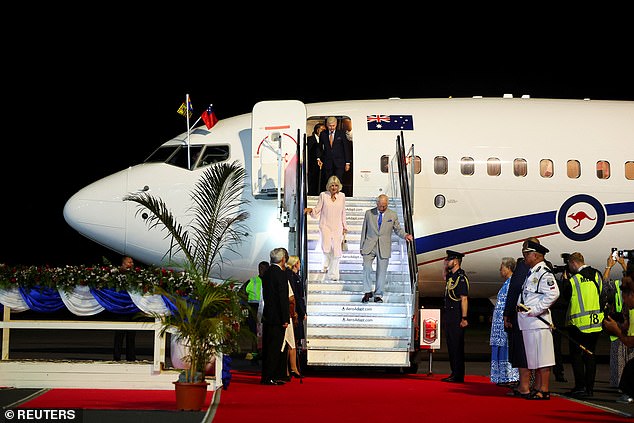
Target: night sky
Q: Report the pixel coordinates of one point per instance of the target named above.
(81, 113)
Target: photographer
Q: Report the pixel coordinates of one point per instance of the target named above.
(585, 314)
(558, 312)
(619, 353)
(626, 383)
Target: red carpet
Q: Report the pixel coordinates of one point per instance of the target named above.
(347, 398)
(108, 399)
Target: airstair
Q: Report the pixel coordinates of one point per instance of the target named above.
(343, 331)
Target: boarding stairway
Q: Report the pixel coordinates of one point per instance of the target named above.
(343, 331)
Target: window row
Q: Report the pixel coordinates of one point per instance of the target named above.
(520, 167)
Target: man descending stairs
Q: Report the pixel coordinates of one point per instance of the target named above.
(343, 331)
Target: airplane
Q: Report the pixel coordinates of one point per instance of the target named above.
(486, 174)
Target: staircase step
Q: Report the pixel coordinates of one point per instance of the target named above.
(374, 344)
(358, 358)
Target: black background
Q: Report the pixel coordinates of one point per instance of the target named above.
(88, 99)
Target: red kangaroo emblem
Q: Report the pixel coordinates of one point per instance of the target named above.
(579, 216)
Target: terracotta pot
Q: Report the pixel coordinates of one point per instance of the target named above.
(190, 396)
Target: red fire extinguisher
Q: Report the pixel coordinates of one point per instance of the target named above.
(430, 330)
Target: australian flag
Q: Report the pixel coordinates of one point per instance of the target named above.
(390, 122)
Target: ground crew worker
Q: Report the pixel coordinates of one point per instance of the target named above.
(254, 292)
(455, 314)
(584, 321)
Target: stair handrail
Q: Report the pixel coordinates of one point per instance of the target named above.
(302, 232)
(406, 197)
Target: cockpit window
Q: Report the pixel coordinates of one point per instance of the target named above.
(161, 154)
(180, 157)
(199, 155)
(214, 154)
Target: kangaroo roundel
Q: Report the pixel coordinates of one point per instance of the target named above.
(581, 217)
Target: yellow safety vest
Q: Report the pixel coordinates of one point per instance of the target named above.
(618, 303)
(585, 311)
(254, 288)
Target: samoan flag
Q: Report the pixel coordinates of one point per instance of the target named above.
(390, 123)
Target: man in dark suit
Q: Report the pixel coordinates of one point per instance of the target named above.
(376, 243)
(314, 152)
(275, 318)
(336, 156)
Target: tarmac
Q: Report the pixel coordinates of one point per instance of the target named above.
(78, 346)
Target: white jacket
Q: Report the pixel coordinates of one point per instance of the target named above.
(539, 292)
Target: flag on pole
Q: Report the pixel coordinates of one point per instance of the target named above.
(186, 110)
(209, 117)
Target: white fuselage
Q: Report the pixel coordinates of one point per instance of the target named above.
(485, 214)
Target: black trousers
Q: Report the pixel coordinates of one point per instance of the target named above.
(584, 366)
(130, 344)
(627, 378)
(455, 342)
(273, 360)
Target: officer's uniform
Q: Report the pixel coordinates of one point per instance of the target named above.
(539, 292)
(457, 286)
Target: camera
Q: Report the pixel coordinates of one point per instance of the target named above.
(563, 268)
(626, 254)
(614, 253)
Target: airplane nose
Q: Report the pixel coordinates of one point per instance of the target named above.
(97, 211)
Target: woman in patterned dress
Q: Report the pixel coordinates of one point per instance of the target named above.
(502, 373)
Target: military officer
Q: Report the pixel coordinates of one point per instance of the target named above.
(538, 294)
(455, 314)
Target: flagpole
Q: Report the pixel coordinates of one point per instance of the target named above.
(189, 163)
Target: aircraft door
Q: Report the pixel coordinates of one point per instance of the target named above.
(278, 128)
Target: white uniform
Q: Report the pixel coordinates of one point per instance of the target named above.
(539, 292)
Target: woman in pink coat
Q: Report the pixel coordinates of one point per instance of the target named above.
(331, 211)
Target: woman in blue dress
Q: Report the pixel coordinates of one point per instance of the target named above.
(502, 373)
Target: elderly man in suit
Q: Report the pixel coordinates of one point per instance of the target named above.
(336, 154)
(376, 243)
(275, 318)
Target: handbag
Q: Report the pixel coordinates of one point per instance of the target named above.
(344, 244)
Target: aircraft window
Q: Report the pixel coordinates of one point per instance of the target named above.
(629, 170)
(161, 154)
(439, 201)
(520, 168)
(440, 165)
(546, 168)
(385, 163)
(418, 165)
(214, 154)
(494, 167)
(180, 157)
(573, 168)
(603, 169)
(467, 166)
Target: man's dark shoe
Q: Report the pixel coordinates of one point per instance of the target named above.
(378, 299)
(452, 379)
(366, 297)
(269, 382)
(576, 392)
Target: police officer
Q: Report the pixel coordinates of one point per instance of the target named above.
(455, 314)
(585, 318)
(539, 293)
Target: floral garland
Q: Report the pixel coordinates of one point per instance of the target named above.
(141, 280)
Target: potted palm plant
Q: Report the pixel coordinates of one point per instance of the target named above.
(206, 315)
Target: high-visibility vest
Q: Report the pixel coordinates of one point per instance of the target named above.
(254, 289)
(618, 303)
(585, 310)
